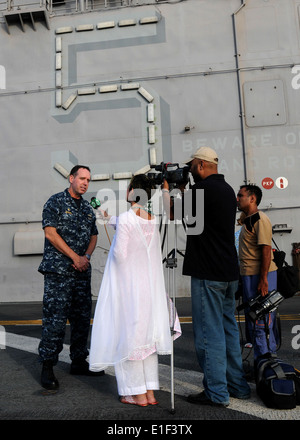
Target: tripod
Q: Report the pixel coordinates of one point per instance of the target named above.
(171, 265)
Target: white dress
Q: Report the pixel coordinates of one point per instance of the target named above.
(131, 319)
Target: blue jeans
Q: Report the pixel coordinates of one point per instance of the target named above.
(256, 332)
(217, 339)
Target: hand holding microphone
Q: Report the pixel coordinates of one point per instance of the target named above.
(100, 213)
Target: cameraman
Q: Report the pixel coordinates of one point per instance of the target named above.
(257, 268)
(211, 261)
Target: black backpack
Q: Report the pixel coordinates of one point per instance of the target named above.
(277, 383)
(288, 281)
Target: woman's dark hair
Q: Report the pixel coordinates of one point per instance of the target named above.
(144, 183)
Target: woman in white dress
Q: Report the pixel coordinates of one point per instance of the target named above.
(132, 323)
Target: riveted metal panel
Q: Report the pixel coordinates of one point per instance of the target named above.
(264, 103)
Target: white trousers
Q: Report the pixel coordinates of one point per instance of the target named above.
(136, 377)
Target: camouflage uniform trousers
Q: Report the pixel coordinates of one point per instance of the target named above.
(65, 298)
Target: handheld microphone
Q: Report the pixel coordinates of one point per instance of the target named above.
(95, 203)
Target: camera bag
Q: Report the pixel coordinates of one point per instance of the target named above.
(287, 276)
(276, 383)
(287, 280)
(297, 385)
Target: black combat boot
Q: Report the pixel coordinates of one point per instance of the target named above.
(81, 367)
(48, 379)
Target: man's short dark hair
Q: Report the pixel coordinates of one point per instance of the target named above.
(253, 190)
(75, 169)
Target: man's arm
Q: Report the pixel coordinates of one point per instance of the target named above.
(264, 269)
(80, 263)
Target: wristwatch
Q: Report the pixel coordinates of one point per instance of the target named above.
(88, 256)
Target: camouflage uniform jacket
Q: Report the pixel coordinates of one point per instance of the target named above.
(75, 226)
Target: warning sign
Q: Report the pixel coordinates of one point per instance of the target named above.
(267, 183)
(282, 182)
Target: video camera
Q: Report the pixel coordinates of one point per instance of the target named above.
(175, 177)
(262, 305)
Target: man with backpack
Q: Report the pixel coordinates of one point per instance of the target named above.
(257, 268)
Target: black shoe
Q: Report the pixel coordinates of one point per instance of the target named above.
(243, 397)
(202, 399)
(48, 380)
(82, 368)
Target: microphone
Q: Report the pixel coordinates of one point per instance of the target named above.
(95, 203)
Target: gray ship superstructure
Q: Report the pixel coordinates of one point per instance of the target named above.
(122, 86)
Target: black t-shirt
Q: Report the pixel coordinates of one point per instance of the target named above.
(211, 255)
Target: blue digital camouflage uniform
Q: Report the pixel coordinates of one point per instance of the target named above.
(67, 292)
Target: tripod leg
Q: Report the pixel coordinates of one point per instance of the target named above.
(171, 264)
(174, 265)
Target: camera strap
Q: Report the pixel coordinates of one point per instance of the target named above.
(277, 326)
(267, 330)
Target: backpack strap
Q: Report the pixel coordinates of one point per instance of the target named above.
(278, 370)
(274, 364)
(284, 262)
(275, 244)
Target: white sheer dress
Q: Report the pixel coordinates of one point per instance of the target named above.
(131, 319)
